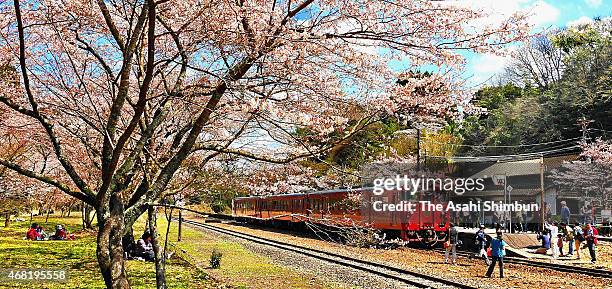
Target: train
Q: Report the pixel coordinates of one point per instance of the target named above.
(348, 207)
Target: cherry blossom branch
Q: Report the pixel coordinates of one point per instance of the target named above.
(65, 188)
(70, 170)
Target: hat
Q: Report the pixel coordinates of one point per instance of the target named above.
(482, 226)
(563, 203)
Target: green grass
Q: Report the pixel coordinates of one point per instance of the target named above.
(79, 257)
(240, 268)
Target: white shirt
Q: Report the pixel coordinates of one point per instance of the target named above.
(554, 231)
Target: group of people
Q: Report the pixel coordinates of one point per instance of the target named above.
(37, 233)
(142, 249)
(497, 252)
(555, 236)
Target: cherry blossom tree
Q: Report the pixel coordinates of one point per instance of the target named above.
(591, 176)
(123, 92)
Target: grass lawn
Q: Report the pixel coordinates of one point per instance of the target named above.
(240, 268)
(79, 257)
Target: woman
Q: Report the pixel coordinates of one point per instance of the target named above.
(579, 238)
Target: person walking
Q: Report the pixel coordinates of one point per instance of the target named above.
(451, 243)
(578, 239)
(565, 213)
(497, 253)
(568, 236)
(591, 240)
(481, 240)
(554, 238)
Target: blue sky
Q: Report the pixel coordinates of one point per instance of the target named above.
(546, 14)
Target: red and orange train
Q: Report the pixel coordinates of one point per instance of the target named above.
(347, 206)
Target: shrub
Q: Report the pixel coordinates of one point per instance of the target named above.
(215, 259)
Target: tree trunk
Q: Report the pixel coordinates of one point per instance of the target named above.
(47, 218)
(160, 258)
(109, 249)
(69, 210)
(87, 216)
(6, 220)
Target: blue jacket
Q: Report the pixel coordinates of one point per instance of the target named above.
(565, 213)
(497, 247)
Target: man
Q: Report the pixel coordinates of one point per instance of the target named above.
(481, 239)
(554, 238)
(547, 212)
(451, 243)
(498, 246)
(591, 240)
(565, 213)
(144, 247)
(568, 235)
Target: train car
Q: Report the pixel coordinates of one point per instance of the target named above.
(347, 207)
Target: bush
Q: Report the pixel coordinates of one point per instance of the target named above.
(215, 259)
(218, 207)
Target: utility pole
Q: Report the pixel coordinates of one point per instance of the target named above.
(542, 207)
(418, 149)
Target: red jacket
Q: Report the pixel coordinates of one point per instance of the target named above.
(33, 235)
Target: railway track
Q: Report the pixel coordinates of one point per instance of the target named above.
(553, 266)
(410, 278)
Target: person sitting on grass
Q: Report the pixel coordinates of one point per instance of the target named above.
(61, 234)
(33, 233)
(144, 247)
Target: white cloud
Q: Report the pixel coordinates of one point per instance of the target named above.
(540, 11)
(486, 66)
(580, 21)
(593, 3)
(543, 13)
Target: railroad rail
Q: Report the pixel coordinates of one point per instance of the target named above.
(411, 278)
(553, 266)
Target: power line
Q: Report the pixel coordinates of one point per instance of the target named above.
(513, 157)
(503, 146)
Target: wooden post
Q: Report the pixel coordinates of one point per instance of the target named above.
(180, 224)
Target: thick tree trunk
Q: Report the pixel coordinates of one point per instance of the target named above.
(109, 249)
(47, 218)
(69, 210)
(160, 258)
(7, 217)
